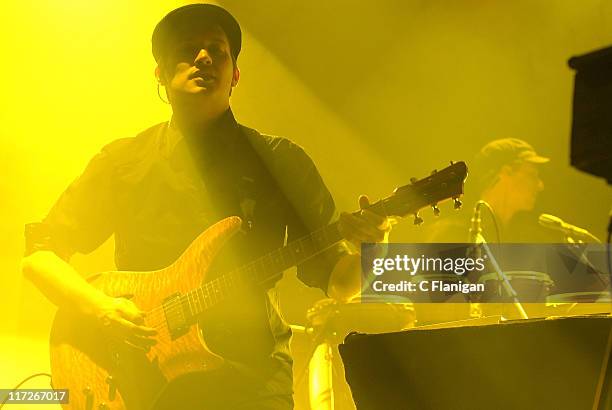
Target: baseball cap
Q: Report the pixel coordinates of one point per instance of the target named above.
(497, 153)
(508, 150)
(187, 19)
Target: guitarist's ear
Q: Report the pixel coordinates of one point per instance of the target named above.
(235, 76)
(159, 75)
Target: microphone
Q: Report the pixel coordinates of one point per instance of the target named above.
(475, 231)
(558, 224)
(476, 226)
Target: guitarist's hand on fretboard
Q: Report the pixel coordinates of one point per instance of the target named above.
(364, 226)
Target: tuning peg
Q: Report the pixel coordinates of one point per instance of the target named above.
(417, 219)
(413, 180)
(436, 210)
(452, 162)
(457, 203)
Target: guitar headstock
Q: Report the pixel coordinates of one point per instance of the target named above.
(429, 191)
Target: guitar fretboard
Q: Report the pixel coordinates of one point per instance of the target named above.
(261, 270)
(442, 185)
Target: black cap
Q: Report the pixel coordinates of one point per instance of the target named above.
(187, 19)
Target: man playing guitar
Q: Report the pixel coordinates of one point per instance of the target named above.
(158, 191)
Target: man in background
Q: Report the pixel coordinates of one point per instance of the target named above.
(506, 175)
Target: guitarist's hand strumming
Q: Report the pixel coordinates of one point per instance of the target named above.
(123, 321)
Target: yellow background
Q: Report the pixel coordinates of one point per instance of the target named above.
(375, 92)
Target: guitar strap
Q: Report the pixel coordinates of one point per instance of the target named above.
(247, 193)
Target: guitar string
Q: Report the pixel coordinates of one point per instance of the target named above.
(157, 313)
(160, 313)
(176, 308)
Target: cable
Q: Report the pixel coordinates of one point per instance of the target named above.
(21, 383)
(609, 253)
(609, 246)
(497, 233)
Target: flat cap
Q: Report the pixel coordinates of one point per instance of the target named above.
(190, 18)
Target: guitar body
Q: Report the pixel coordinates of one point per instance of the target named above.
(102, 373)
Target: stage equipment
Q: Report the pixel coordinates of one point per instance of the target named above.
(330, 322)
(571, 231)
(591, 145)
(579, 303)
(531, 286)
(559, 364)
(476, 237)
(438, 307)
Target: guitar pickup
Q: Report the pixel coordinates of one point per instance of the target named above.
(178, 315)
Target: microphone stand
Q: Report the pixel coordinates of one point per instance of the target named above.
(479, 241)
(573, 237)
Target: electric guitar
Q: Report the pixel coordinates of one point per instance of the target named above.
(104, 374)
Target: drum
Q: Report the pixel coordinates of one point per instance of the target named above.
(579, 303)
(531, 287)
(439, 307)
(329, 322)
(336, 320)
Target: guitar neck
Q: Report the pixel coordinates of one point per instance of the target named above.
(269, 266)
(263, 269)
(405, 200)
